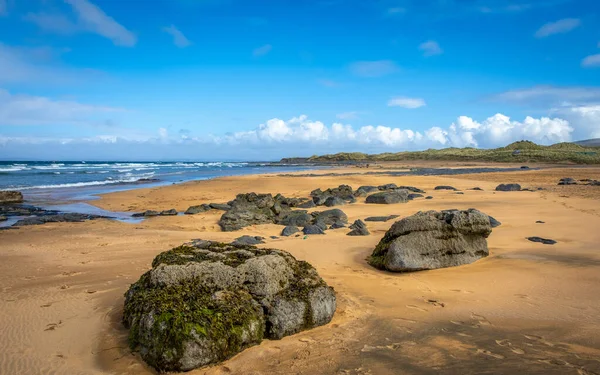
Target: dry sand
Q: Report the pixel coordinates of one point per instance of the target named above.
(528, 308)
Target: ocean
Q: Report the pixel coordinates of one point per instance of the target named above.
(61, 183)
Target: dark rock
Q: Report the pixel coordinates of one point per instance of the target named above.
(381, 218)
(252, 209)
(273, 237)
(364, 190)
(508, 187)
(494, 223)
(540, 222)
(289, 230)
(445, 187)
(334, 201)
(171, 212)
(387, 187)
(220, 206)
(193, 210)
(204, 302)
(433, 239)
(544, 241)
(429, 197)
(147, 213)
(57, 218)
(296, 218)
(411, 188)
(524, 167)
(10, 196)
(337, 225)
(567, 181)
(359, 228)
(389, 197)
(307, 204)
(321, 225)
(414, 195)
(477, 188)
(289, 202)
(329, 217)
(248, 240)
(459, 192)
(313, 229)
(342, 192)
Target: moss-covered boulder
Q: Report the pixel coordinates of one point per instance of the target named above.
(203, 302)
(433, 239)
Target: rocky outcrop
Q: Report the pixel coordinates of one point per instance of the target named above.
(57, 218)
(388, 197)
(433, 239)
(152, 213)
(204, 302)
(359, 228)
(251, 209)
(508, 187)
(445, 187)
(193, 210)
(333, 196)
(10, 196)
(567, 181)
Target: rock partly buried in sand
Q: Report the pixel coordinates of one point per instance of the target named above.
(429, 197)
(494, 223)
(57, 218)
(381, 218)
(298, 218)
(11, 196)
(329, 217)
(544, 241)
(220, 206)
(248, 240)
(433, 239)
(171, 212)
(204, 302)
(412, 196)
(359, 228)
(147, 213)
(338, 225)
(445, 187)
(307, 204)
(477, 188)
(411, 189)
(343, 193)
(193, 210)
(289, 230)
(388, 197)
(313, 229)
(334, 201)
(567, 181)
(508, 187)
(387, 187)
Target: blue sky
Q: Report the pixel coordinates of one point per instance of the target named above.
(244, 79)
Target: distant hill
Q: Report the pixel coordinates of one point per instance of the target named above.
(519, 152)
(589, 142)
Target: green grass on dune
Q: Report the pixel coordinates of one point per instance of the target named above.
(522, 152)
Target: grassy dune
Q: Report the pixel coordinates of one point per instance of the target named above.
(522, 151)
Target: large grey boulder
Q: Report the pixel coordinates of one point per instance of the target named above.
(204, 302)
(330, 217)
(359, 228)
(298, 218)
(193, 210)
(289, 230)
(10, 196)
(433, 239)
(364, 190)
(508, 187)
(334, 201)
(388, 197)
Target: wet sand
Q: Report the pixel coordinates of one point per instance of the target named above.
(527, 308)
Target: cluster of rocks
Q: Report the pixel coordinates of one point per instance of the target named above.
(204, 302)
(433, 239)
(152, 213)
(338, 196)
(571, 181)
(10, 196)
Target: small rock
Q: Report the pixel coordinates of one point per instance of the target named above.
(359, 228)
(540, 222)
(429, 197)
(171, 212)
(313, 229)
(508, 187)
(307, 204)
(334, 201)
(381, 218)
(147, 213)
(459, 192)
(411, 189)
(391, 197)
(477, 188)
(545, 241)
(387, 187)
(289, 230)
(494, 223)
(364, 190)
(524, 167)
(445, 187)
(414, 195)
(296, 218)
(273, 237)
(337, 225)
(567, 181)
(330, 216)
(248, 240)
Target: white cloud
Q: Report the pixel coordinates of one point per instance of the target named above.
(262, 50)
(430, 48)
(592, 61)
(373, 68)
(36, 110)
(88, 18)
(352, 115)
(559, 27)
(178, 38)
(404, 102)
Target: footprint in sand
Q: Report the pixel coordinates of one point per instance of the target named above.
(481, 319)
(490, 354)
(53, 326)
(461, 291)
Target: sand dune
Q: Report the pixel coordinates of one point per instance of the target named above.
(528, 308)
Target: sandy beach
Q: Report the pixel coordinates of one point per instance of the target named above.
(527, 308)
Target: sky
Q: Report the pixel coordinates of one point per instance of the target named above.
(265, 79)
